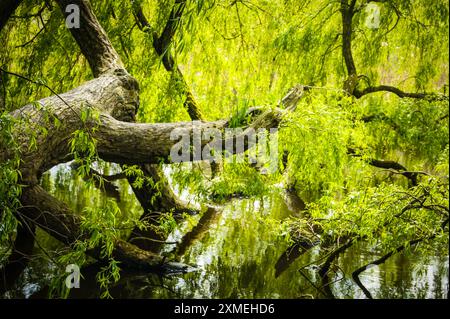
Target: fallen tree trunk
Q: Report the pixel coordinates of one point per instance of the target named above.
(117, 141)
(113, 93)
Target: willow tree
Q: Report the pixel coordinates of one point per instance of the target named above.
(90, 122)
(375, 90)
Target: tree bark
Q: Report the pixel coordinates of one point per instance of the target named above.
(347, 12)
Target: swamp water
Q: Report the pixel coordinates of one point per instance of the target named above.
(238, 255)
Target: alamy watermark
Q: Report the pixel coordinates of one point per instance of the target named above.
(73, 279)
(373, 13)
(215, 145)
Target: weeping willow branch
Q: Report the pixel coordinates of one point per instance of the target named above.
(162, 45)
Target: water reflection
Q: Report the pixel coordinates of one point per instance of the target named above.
(238, 256)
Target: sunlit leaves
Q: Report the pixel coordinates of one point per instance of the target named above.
(316, 138)
(83, 146)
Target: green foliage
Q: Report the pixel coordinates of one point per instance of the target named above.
(166, 224)
(235, 55)
(386, 216)
(100, 229)
(239, 179)
(107, 276)
(316, 137)
(239, 117)
(236, 179)
(419, 128)
(140, 179)
(10, 188)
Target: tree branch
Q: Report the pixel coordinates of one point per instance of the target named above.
(398, 92)
(162, 45)
(347, 12)
(383, 259)
(390, 165)
(347, 17)
(136, 143)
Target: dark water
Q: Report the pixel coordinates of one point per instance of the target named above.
(239, 255)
